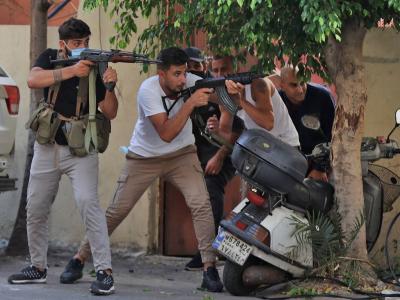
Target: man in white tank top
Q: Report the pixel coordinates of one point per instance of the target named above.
(262, 107)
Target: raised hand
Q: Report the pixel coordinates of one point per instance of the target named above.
(235, 89)
(110, 75)
(213, 124)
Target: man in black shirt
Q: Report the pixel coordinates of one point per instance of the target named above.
(308, 99)
(215, 161)
(53, 159)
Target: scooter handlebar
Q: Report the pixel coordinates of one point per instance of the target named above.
(396, 151)
(371, 150)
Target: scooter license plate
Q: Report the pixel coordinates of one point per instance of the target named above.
(232, 247)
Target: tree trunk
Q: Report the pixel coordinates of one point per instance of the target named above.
(345, 64)
(18, 244)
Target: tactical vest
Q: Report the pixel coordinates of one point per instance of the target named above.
(84, 133)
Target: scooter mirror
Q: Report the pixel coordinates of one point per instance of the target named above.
(311, 122)
(395, 126)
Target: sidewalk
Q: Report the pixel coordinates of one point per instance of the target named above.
(142, 278)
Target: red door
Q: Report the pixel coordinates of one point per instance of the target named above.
(178, 233)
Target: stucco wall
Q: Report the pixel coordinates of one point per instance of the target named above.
(382, 66)
(14, 58)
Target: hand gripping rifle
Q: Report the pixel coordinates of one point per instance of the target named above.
(101, 58)
(218, 84)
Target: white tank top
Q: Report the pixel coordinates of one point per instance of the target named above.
(283, 126)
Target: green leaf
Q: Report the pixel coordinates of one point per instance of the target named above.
(177, 24)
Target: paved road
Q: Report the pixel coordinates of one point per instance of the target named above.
(143, 278)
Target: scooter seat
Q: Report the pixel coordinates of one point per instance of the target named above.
(321, 194)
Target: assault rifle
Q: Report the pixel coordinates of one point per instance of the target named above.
(102, 58)
(218, 84)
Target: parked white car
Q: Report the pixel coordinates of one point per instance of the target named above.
(9, 106)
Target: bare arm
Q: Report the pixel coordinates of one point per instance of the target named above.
(225, 124)
(215, 163)
(39, 78)
(262, 113)
(167, 128)
(109, 106)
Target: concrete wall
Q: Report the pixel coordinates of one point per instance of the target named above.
(14, 58)
(382, 66)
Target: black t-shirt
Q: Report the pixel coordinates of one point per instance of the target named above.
(318, 102)
(206, 150)
(67, 95)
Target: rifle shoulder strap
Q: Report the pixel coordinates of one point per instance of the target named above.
(81, 99)
(53, 92)
(91, 130)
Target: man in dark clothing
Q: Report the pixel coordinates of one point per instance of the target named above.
(215, 161)
(303, 100)
(54, 157)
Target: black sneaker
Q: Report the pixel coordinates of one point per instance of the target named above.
(72, 272)
(104, 284)
(30, 274)
(195, 263)
(211, 281)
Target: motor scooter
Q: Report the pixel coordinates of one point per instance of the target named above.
(258, 232)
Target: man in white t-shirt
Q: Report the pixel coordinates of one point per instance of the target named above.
(162, 145)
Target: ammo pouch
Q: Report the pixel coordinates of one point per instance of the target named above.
(76, 134)
(45, 122)
(33, 122)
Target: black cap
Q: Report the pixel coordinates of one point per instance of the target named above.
(194, 54)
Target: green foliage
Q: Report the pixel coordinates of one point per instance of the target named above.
(322, 233)
(302, 291)
(267, 29)
(328, 240)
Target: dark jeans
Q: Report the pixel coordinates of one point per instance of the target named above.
(216, 189)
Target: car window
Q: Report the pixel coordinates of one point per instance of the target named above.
(2, 73)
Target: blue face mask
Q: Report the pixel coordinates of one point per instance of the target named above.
(76, 52)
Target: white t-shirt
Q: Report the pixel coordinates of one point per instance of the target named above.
(283, 125)
(145, 140)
